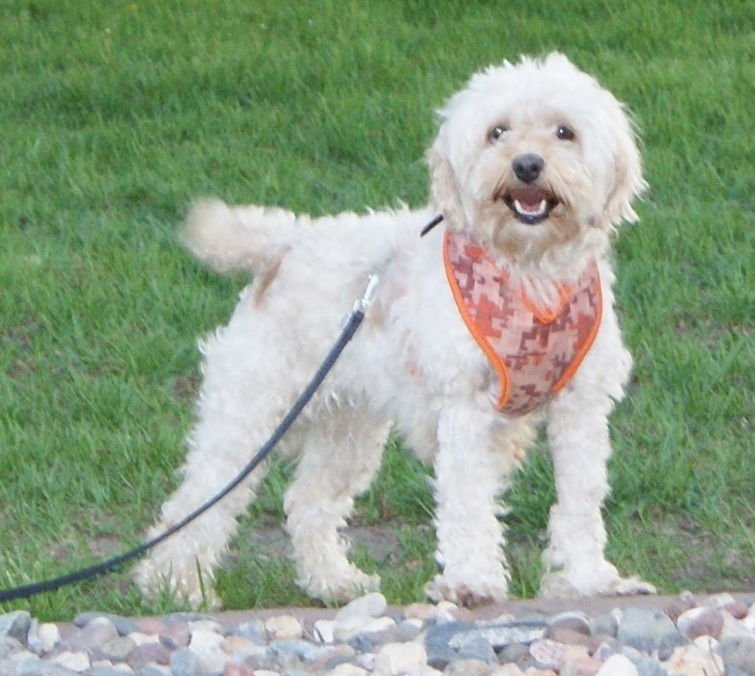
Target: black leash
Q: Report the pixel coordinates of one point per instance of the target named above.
(350, 327)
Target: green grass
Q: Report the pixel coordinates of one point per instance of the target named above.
(116, 113)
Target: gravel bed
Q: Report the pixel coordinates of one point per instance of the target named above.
(685, 635)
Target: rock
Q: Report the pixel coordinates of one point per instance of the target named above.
(360, 626)
(43, 637)
(152, 670)
(33, 666)
(575, 621)
(739, 652)
(148, 653)
(685, 602)
(323, 630)
(98, 632)
(467, 668)
(690, 660)
(507, 670)
(719, 600)
(571, 637)
(232, 669)
(514, 652)
(175, 634)
(617, 665)
(207, 645)
(733, 628)
(283, 626)
(118, 649)
(408, 630)
(254, 630)
(9, 646)
(395, 658)
(123, 625)
(648, 667)
(580, 666)
(302, 650)
(452, 641)
(369, 605)
(548, 654)
(15, 625)
(738, 609)
(75, 661)
(648, 630)
(347, 669)
(141, 639)
(702, 621)
(605, 624)
(241, 647)
(419, 611)
(105, 668)
(185, 662)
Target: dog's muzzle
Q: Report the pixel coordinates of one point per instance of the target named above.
(531, 205)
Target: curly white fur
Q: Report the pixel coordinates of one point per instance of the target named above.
(414, 365)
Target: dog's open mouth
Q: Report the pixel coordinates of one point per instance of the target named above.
(531, 205)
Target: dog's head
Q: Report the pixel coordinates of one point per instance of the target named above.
(536, 157)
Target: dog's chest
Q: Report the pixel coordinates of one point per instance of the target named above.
(533, 349)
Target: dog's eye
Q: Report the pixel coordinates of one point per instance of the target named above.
(565, 133)
(497, 131)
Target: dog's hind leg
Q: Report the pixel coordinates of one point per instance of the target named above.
(341, 455)
(232, 424)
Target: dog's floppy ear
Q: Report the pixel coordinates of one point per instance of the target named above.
(628, 182)
(444, 188)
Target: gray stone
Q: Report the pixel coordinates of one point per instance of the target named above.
(647, 667)
(514, 652)
(148, 653)
(254, 630)
(16, 625)
(369, 605)
(452, 641)
(123, 625)
(101, 670)
(8, 646)
(118, 649)
(152, 670)
(605, 624)
(95, 634)
(739, 652)
(500, 634)
(303, 650)
(185, 662)
(649, 630)
(574, 621)
(467, 668)
(36, 667)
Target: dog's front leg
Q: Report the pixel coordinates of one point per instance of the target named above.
(469, 476)
(580, 448)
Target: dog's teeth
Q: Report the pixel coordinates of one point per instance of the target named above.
(536, 212)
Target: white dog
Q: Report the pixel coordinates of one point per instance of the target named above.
(500, 318)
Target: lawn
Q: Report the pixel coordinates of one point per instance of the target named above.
(115, 114)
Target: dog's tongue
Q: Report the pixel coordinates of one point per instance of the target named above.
(530, 198)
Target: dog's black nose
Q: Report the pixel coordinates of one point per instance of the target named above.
(527, 167)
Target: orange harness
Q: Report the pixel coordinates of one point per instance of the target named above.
(534, 350)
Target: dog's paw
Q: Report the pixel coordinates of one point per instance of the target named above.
(197, 591)
(341, 590)
(557, 585)
(479, 593)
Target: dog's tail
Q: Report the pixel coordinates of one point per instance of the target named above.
(237, 238)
